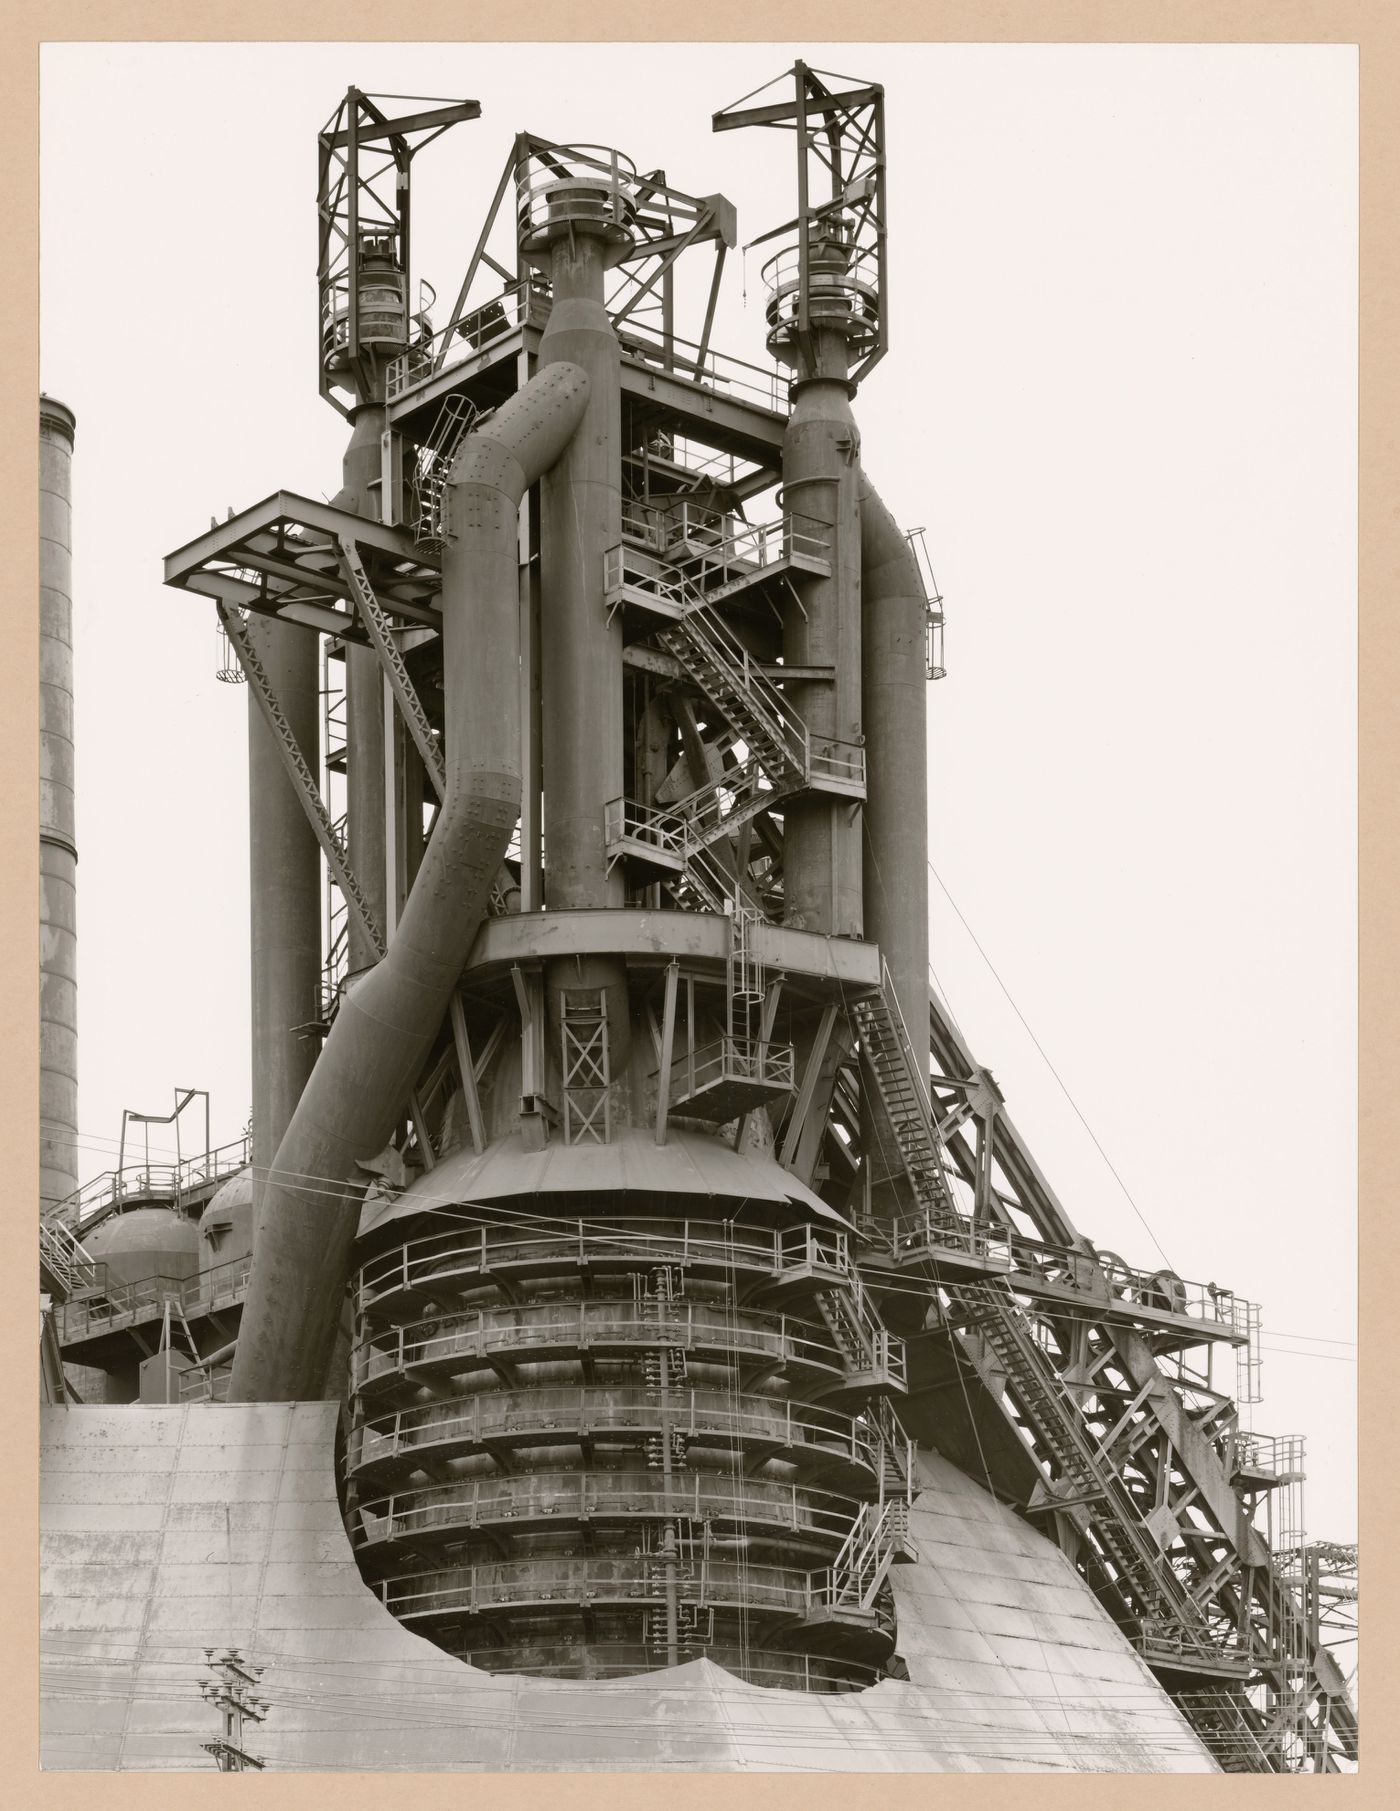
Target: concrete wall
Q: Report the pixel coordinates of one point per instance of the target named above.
(168, 1530)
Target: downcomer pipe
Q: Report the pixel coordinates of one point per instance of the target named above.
(388, 1019)
(894, 690)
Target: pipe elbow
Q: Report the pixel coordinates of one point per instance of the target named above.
(888, 567)
(526, 434)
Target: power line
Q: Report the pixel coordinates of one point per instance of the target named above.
(1049, 1065)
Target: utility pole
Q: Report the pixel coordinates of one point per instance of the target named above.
(232, 1693)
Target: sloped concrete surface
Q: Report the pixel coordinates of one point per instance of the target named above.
(166, 1531)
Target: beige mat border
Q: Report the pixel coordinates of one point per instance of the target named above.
(1375, 26)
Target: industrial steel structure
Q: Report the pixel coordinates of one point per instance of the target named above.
(612, 1158)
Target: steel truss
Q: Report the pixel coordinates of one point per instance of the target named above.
(1080, 1407)
(840, 141)
(362, 198)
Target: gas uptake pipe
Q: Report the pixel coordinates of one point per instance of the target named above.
(894, 707)
(388, 1019)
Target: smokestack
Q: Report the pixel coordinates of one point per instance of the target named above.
(58, 852)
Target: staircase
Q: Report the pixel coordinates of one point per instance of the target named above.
(64, 1265)
(718, 663)
(873, 1359)
(1083, 1477)
(904, 1098)
(878, 1540)
(779, 757)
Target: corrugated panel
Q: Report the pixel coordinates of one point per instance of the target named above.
(169, 1530)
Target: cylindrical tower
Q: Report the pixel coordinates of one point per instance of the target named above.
(284, 893)
(625, 1403)
(574, 222)
(822, 622)
(596, 1433)
(365, 792)
(894, 684)
(58, 851)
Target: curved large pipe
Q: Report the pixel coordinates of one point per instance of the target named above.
(388, 1019)
(894, 687)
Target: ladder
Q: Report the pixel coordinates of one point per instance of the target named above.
(458, 416)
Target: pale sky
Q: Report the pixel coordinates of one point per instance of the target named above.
(1120, 395)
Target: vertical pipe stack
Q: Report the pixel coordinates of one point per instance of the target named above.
(58, 853)
(364, 703)
(581, 519)
(895, 692)
(821, 495)
(284, 894)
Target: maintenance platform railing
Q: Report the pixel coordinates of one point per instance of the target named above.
(818, 1441)
(140, 1182)
(1039, 1267)
(726, 1065)
(600, 1580)
(554, 1497)
(527, 303)
(111, 1306)
(803, 1257)
(766, 1344)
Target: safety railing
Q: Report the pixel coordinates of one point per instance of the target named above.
(646, 345)
(861, 1566)
(800, 1432)
(847, 297)
(920, 1234)
(140, 1181)
(676, 834)
(652, 582)
(728, 552)
(120, 1304)
(517, 305)
(1281, 1456)
(872, 1351)
(715, 1497)
(469, 1252)
(474, 1590)
(61, 1254)
(550, 1329)
(719, 662)
(583, 183)
(201, 1384)
(731, 1058)
(1163, 1644)
(724, 661)
(692, 457)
